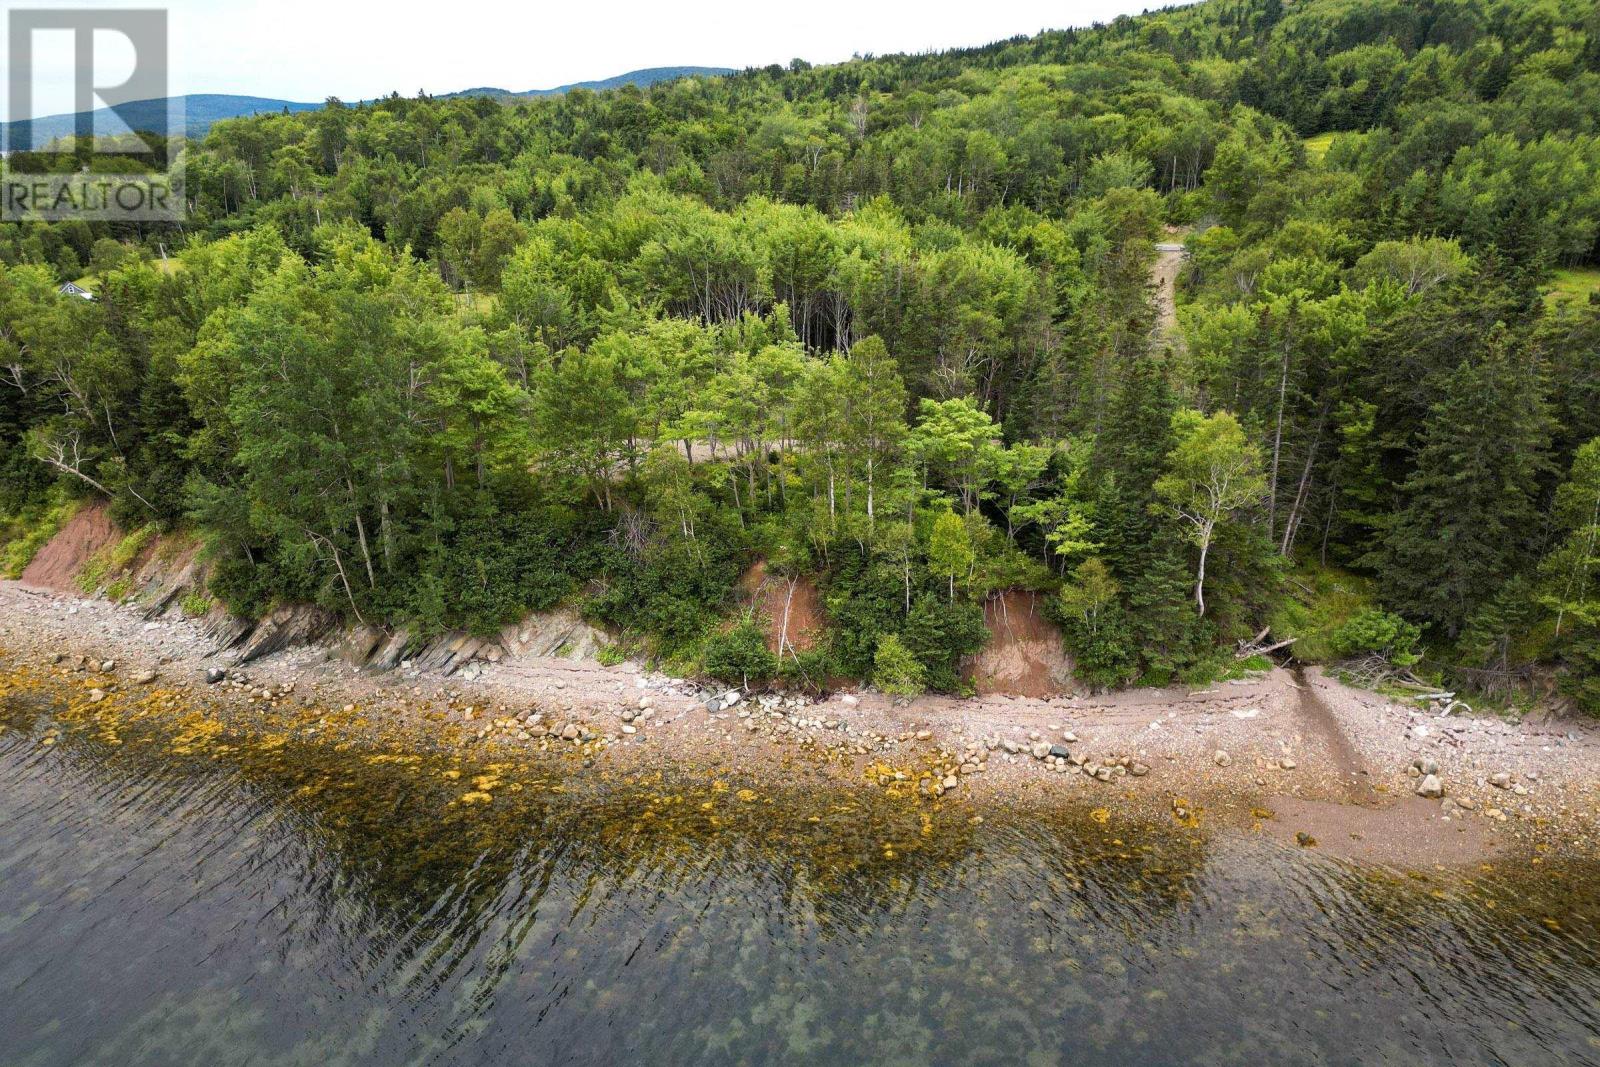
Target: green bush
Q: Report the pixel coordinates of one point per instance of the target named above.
(1580, 680)
(30, 531)
(895, 670)
(495, 565)
(864, 602)
(1318, 601)
(809, 670)
(740, 656)
(1380, 631)
(674, 590)
(939, 634)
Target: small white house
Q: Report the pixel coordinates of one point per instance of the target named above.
(73, 289)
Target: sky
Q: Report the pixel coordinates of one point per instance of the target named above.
(308, 50)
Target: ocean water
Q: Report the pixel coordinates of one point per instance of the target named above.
(173, 893)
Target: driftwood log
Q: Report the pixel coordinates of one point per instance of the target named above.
(1254, 647)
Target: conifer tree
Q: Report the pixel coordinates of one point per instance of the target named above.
(1469, 517)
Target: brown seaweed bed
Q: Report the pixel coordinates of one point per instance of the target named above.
(182, 886)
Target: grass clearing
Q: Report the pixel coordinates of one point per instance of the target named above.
(1572, 285)
(482, 303)
(1317, 147)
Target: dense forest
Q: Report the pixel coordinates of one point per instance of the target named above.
(889, 324)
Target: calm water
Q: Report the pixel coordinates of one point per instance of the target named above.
(169, 895)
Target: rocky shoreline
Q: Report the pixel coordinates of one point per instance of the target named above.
(1296, 756)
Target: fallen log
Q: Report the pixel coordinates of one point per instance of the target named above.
(1246, 653)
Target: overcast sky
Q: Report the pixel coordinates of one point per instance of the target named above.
(311, 49)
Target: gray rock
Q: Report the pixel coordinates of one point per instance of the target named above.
(1430, 787)
(1139, 770)
(143, 677)
(296, 624)
(1059, 751)
(1222, 759)
(1500, 780)
(215, 675)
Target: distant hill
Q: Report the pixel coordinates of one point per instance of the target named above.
(641, 78)
(199, 111)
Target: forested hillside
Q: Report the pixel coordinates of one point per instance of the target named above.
(889, 324)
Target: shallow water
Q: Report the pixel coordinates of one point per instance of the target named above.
(173, 894)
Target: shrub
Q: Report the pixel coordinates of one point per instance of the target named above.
(1094, 627)
(1318, 601)
(1581, 678)
(740, 656)
(674, 590)
(494, 565)
(1380, 631)
(807, 670)
(107, 566)
(24, 536)
(939, 634)
(894, 669)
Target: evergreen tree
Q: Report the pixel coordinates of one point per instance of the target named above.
(1469, 516)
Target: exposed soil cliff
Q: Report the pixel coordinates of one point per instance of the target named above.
(57, 564)
(1024, 657)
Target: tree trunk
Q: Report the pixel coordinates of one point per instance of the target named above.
(1200, 574)
(1277, 448)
